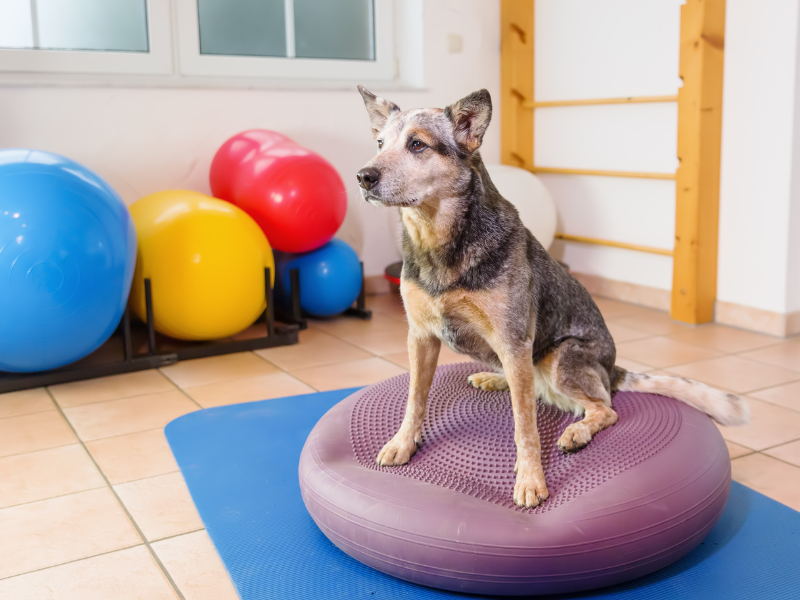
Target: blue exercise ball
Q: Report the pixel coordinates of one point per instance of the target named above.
(330, 278)
(67, 254)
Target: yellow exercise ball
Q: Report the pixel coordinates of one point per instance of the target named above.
(205, 259)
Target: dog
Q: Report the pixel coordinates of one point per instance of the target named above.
(476, 279)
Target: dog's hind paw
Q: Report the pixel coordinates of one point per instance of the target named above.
(489, 381)
(575, 437)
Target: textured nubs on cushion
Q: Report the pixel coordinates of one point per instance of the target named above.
(468, 438)
(640, 496)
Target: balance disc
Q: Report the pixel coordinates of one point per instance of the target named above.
(641, 495)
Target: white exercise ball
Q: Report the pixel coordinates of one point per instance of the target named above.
(534, 203)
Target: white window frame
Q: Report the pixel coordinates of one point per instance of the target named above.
(192, 62)
(156, 61)
(174, 58)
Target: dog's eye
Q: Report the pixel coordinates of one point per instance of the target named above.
(380, 144)
(418, 146)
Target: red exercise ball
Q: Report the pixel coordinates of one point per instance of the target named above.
(296, 196)
(238, 149)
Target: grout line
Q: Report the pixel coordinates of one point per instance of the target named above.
(125, 510)
(98, 487)
(779, 459)
(35, 412)
(74, 560)
(73, 443)
(111, 399)
(177, 535)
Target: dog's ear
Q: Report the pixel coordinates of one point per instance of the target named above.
(470, 117)
(379, 109)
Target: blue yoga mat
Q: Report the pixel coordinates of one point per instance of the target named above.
(240, 463)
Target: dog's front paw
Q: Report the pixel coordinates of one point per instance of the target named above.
(530, 490)
(489, 381)
(575, 437)
(398, 451)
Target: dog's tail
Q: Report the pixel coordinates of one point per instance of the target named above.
(724, 408)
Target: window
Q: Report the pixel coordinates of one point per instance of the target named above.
(191, 39)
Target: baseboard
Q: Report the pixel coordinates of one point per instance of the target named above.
(756, 319)
(625, 292)
(375, 285)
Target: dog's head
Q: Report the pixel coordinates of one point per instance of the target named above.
(423, 154)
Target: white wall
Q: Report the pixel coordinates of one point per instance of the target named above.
(142, 140)
(608, 49)
(759, 235)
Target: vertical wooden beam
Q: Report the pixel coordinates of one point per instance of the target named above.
(516, 82)
(694, 277)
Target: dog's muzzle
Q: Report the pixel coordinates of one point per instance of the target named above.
(368, 177)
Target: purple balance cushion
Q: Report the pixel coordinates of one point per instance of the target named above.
(641, 495)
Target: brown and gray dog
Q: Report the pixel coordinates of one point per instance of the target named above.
(476, 279)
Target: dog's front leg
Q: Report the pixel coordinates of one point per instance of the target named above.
(423, 353)
(530, 489)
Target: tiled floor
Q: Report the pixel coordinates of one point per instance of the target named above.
(92, 505)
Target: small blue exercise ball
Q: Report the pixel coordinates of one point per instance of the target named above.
(330, 278)
(67, 254)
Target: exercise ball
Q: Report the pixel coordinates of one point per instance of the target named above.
(295, 195)
(330, 278)
(67, 251)
(205, 259)
(531, 198)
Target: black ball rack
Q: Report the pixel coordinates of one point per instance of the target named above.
(136, 346)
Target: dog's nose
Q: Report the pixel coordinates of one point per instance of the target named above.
(368, 177)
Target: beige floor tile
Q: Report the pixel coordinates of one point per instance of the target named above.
(161, 506)
(114, 387)
(128, 415)
(133, 456)
(655, 322)
(47, 473)
(130, 574)
(446, 357)
(195, 567)
(769, 425)
(663, 352)
(50, 532)
(736, 450)
(228, 367)
(632, 365)
(37, 431)
(25, 402)
(614, 309)
(723, 338)
(314, 349)
(346, 326)
(787, 395)
(784, 354)
(349, 374)
(379, 341)
(769, 476)
(622, 333)
(388, 304)
(787, 452)
(734, 373)
(265, 387)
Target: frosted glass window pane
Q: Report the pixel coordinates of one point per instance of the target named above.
(15, 24)
(242, 27)
(120, 25)
(333, 29)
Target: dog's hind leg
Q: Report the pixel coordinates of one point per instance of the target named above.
(574, 372)
(489, 381)
(423, 353)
